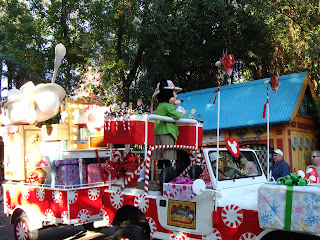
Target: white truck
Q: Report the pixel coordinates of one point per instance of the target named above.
(205, 207)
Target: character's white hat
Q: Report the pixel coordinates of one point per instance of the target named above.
(157, 91)
(278, 151)
(170, 86)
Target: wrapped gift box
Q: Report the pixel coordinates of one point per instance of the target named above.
(70, 172)
(94, 173)
(129, 130)
(178, 191)
(187, 135)
(278, 209)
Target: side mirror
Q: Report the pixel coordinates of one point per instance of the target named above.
(198, 186)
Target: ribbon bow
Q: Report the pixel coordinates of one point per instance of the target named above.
(293, 179)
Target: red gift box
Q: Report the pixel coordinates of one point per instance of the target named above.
(129, 131)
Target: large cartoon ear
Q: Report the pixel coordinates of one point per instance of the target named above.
(163, 83)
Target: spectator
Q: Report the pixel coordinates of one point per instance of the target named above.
(279, 168)
(315, 157)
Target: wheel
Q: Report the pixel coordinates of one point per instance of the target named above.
(90, 227)
(130, 233)
(22, 230)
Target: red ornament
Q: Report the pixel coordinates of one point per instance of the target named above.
(227, 63)
(274, 82)
(312, 175)
(233, 146)
(300, 172)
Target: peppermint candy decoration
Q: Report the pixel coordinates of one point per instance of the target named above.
(141, 202)
(56, 196)
(65, 217)
(152, 225)
(25, 193)
(232, 216)
(215, 235)
(178, 235)
(117, 156)
(106, 217)
(83, 216)
(116, 199)
(93, 193)
(40, 193)
(248, 236)
(49, 215)
(72, 196)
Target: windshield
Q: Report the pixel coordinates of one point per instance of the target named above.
(244, 166)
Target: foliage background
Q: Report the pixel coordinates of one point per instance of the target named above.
(135, 43)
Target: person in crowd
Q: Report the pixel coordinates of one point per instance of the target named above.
(279, 168)
(315, 158)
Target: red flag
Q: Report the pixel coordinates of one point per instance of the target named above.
(227, 63)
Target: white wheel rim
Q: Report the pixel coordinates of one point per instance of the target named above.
(22, 231)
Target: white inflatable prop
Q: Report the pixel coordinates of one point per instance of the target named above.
(31, 104)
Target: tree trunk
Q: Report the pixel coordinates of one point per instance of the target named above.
(1, 65)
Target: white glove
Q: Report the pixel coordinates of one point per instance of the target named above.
(180, 110)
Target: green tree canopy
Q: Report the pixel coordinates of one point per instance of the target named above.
(135, 43)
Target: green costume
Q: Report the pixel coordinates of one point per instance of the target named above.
(161, 127)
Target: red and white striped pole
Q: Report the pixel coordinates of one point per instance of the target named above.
(266, 112)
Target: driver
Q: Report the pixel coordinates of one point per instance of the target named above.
(249, 167)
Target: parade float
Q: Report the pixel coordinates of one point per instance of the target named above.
(71, 173)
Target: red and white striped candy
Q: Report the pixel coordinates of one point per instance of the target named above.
(312, 175)
(300, 172)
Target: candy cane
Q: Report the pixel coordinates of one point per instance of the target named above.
(108, 118)
(123, 121)
(129, 179)
(196, 156)
(128, 116)
(117, 121)
(182, 147)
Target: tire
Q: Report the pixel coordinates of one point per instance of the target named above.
(91, 228)
(21, 228)
(140, 223)
(130, 233)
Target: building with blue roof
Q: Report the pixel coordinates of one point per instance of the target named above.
(293, 116)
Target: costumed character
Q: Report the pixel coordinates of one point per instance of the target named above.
(166, 133)
(33, 104)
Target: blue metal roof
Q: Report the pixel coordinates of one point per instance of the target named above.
(241, 105)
